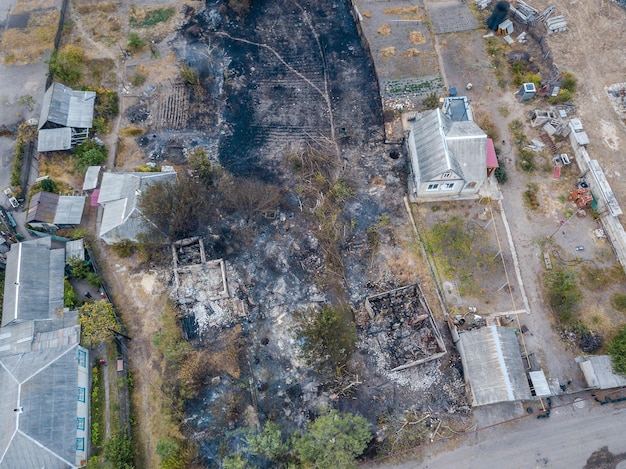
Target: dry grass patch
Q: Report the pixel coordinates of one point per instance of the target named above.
(85, 8)
(384, 30)
(226, 358)
(24, 6)
(388, 52)
(367, 14)
(417, 38)
(412, 52)
(402, 11)
(28, 45)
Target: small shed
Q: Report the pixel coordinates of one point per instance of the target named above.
(91, 178)
(65, 113)
(527, 92)
(492, 158)
(54, 209)
(598, 372)
(492, 364)
(505, 28)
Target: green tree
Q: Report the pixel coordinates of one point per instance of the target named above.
(235, 462)
(118, 451)
(268, 443)
(50, 185)
(96, 319)
(136, 42)
(89, 153)
(70, 298)
(617, 350)
(66, 64)
(79, 267)
(177, 209)
(202, 167)
(333, 440)
(328, 334)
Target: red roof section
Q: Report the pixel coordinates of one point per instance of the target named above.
(94, 198)
(492, 159)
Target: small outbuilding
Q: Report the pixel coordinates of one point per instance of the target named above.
(598, 372)
(493, 366)
(47, 208)
(65, 119)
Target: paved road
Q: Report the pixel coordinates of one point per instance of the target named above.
(566, 440)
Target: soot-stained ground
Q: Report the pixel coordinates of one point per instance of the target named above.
(282, 78)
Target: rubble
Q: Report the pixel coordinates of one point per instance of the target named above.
(403, 327)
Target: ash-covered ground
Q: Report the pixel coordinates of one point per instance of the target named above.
(282, 78)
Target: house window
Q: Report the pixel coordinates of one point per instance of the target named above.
(432, 187)
(80, 423)
(81, 394)
(448, 186)
(446, 175)
(82, 358)
(80, 444)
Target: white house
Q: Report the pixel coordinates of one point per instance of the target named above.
(448, 153)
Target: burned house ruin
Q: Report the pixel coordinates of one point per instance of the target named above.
(402, 328)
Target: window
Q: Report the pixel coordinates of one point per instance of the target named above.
(432, 187)
(80, 444)
(82, 358)
(81, 394)
(446, 175)
(80, 423)
(448, 186)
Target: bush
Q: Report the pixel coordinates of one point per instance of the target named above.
(564, 96)
(617, 350)
(563, 293)
(119, 451)
(125, 248)
(328, 335)
(431, 101)
(569, 82)
(135, 42)
(66, 65)
(88, 154)
(70, 298)
(618, 300)
(501, 175)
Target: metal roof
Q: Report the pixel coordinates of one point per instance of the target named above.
(69, 210)
(598, 371)
(41, 383)
(493, 366)
(46, 207)
(67, 107)
(91, 178)
(54, 139)
(42, 207)
(119, 194)
(75, 250)
(443, 144)
(540, 383)
(33, 287)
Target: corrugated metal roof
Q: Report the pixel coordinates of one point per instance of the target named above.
(69, 210)
(67, 107)
(54, 139)
(432, 150)
(75, 250)
(91, 178)
(493, 365)
(34, 281)
(119, 194)
(540, 383)
(42, 208)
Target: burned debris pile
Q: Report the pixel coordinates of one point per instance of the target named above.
(402, 328)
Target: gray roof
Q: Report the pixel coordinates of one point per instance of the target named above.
(598, 371)
(119, 195)
(54, 139)
(42, 382)
(46, 207)
(67, 107)
(493, 366)
(446, 145)
(33, 287)
(75, 250)
(91, 178)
